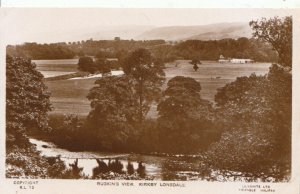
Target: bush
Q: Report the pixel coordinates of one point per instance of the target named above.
(28, 163)
(87, 64)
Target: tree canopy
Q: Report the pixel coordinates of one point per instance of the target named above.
(195, 63)
(277, 32)
(27, 101)
(255, 113)
(87, 64)
(41, 51)
(147, 74)
(27, 104)
(114, 110)
(183, 116)
(103, 66)
(181, 96)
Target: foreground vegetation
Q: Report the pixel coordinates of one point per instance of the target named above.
(247, 134)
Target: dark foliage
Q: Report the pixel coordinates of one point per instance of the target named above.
(190, 49)
(229, 48)
(115, 166)
(87, 64)
(27, 104)
(255, 113)
(141, 170)
(26, 162)
(114, 111)
(67, 132)
(103, 66)
(76, 172)
(41, 51)
(130, 169)
(195, 63)
(185, 119)
(277, 32)
(147, 75)
(27, 100)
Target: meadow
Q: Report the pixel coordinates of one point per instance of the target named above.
(69, 96)
(51, 68)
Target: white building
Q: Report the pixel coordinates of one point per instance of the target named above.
(222, 59)
(241, 60)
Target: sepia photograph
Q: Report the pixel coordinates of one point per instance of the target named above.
(149, 94)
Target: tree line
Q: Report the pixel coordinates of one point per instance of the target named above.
(167, 52)
(40, 51)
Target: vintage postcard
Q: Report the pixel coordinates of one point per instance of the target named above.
(110, 100)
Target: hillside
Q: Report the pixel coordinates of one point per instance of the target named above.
(203, 32)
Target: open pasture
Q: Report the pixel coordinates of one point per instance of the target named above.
(213, 75)
(51, 68)
(69, 96)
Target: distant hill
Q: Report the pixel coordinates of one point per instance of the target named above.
(204, 32)
(109, 32)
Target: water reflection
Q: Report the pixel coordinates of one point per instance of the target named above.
(76, 171)
(130, 168)
(169, 169)
(141, 170)
(101, 168)
(108, 168)
(125, 166)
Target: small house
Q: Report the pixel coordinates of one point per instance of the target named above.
(241, 60)
(222, 59)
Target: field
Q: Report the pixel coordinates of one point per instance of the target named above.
(50, 68)
(69, 96)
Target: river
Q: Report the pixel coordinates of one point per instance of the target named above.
(175, 167)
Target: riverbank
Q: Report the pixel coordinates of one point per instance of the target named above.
(156, 167)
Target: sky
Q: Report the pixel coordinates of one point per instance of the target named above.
(68, 24)
(154, 3)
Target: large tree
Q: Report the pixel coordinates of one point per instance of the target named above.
(181, 96)
(184, 118)
(195, 63)
(114, 111)
(277, 32)
(27, 104)
(27, 101)
(148, 76)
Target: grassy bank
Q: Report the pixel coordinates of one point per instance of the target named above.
(69, 96)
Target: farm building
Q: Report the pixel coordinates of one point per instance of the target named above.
(222, 59)
(241, 60)
(112, 59)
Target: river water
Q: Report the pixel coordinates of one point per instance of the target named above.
(158, 167)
